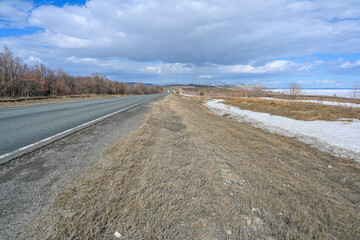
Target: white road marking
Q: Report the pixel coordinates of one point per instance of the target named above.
(62, 134)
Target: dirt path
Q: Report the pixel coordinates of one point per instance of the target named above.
(187, 173)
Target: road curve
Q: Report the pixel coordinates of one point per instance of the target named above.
(24, 129)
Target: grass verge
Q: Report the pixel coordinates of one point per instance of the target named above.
(187, 173)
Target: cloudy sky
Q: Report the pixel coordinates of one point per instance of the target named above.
(313, 42)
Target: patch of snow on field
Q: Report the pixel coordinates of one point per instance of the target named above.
(320, 92)
(337, 137)
(186, 95)
(341, 104)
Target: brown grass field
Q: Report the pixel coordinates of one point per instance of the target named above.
(187, 173)
(235, 93)
(291, 109)
(296, 110)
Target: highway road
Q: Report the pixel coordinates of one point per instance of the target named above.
(23, 129)
(29, 184)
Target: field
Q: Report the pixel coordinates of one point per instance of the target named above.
(236, 93)
(296, 110)
(187, 173)
(250, 100)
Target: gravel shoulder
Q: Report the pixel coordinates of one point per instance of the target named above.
(28, 185)
(187, 173)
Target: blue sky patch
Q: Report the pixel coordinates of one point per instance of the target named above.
(60, 3)
(15, 32)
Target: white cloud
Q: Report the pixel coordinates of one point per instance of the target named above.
(14, 13)
(33, 60)
(348, 64)
(190, 31)
(83, 60)
(206, 76)
(277, 66)
(151, 69)
(166, 68)
(344, 67)
(205, 40)
(327, 81)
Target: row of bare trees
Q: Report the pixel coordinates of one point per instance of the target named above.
(19, 80)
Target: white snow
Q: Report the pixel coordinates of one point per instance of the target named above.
(341, 104)
(337, 137)
(321, 92)
(186, 95)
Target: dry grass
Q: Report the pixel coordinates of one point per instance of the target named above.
(187, 173)
(10, 102)
(296, 110)
(233, 93)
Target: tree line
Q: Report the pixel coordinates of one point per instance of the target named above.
(19, 80)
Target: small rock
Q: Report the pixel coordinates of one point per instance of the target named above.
(248, 222)
(117, 234)
(255, 210)
(229, 232)
(329, 166)
(258, 221)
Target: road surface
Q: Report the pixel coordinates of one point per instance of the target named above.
(29, 184)
(21, 127)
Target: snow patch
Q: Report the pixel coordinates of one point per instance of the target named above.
(337, 137)
(186, 95)
(320, 92)
(340, 104)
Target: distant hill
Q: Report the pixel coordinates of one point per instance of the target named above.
(148, 84)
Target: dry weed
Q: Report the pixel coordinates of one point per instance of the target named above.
(296, 110)
(187, 173)
(236, 93)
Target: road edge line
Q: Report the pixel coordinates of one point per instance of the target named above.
(4, 159)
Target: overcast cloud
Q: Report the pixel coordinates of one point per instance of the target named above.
(14, 13)
(206, 40)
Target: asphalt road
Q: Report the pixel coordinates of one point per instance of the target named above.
(24, 126)
(29, 184)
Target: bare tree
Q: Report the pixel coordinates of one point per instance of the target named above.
(10, 66)
(19, 80)
(294, 90)
(355, 90)
(257, 90)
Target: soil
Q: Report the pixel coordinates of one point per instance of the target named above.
(187, 173)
